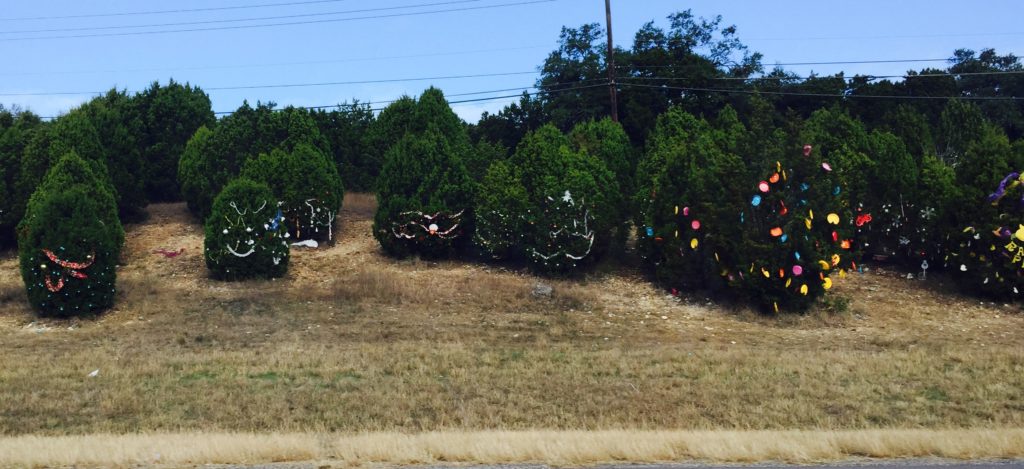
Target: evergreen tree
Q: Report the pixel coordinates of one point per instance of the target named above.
(70, 241)
(307, 186)
(246, 236)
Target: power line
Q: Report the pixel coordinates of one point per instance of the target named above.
(822, 95)
(463, 101)
(826, 77)
(784, 64)
(291, 23)
(522, 88)
(295, 85)
(234, 20)
(161, 12)
(278, 64)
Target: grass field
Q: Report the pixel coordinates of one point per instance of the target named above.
(350, 341)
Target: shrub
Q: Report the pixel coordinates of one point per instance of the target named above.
(215, 156)
(987, 256)
(772, 239)
(607, 141)
(307, 187)
(502, 204)
(168, 117)
(69, 241)
(550, 204)
(246, 235)
(425, 197)
(204, 170)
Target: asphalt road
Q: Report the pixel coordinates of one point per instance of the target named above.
(897, 464)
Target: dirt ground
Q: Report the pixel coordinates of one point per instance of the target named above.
(352, 340)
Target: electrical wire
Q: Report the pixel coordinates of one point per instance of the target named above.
(161, 12)
(235, 20)
(821, 95)
(291, 23)
(826, 77)
(279, 64)
(295, 85)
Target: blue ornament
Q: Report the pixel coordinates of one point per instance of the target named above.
(837, 190)
(755, 201)
(804, 186)
(797, 255)
(650, 231)
(784, 237)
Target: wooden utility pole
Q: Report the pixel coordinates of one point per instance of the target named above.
(611, 61)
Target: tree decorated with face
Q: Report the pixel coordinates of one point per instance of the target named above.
(69, 241)
(307, 184)
(552, 205)
(246, 234)
(425, 198)
(425, 193)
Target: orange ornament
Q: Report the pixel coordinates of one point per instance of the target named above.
(776, 232)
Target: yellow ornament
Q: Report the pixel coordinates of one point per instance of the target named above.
(842, 273)
(765, 273)
(789, 281)
(803, 289)
(677, 210)
(693, 243)
(835, 259)
(811, 213)
(1020, 233)
(827, 284)
(807, 223)
(776, 305)
(833, 218)
(824, 265)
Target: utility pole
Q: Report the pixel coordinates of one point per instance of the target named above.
(611, 61)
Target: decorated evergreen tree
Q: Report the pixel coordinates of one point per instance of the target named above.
(69, 241)
(425, 198)
(796, 232)
(246, 236)
(425, 193)
(607, 141)
(307, 185)
(550, 204)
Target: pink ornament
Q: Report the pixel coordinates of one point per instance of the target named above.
(695, 224)
(826, 167)
(797, 270)
(763, 186)
(686, 211)
(807, 150)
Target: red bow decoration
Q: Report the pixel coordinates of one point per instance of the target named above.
(862, 219)
(71, 267)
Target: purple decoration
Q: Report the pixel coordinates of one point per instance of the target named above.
(1001, 191)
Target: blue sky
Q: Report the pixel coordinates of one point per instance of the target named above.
(504, 39)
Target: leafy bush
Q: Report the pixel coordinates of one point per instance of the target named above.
(215, 156)
(246, 235)
(425, 198)
(168, 116)
(70, 241)
(307, 187)
(706, 224)
(550, 204)
(502, 204)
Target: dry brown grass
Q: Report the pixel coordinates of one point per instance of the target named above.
(351, 341)
(560, 448)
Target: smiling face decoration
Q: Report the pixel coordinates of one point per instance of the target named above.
(249, 242)
(417, 225)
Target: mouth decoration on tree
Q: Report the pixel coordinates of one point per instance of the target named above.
(570, 236)
(238, 250)
(418, 224)
(68, 268)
